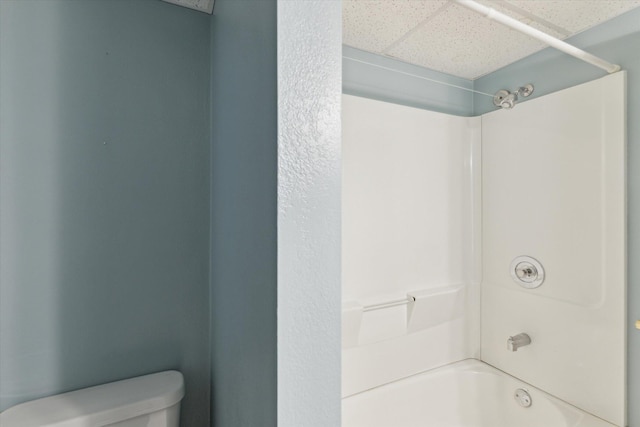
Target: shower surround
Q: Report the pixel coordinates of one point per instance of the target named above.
(436, 208)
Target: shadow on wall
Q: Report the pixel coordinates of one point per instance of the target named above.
(105, 195)
(244, 147)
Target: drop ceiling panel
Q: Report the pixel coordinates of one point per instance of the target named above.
(464, 52)
(446, 37)
(576, 15)
(373, 25)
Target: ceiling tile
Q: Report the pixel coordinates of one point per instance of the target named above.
(576, 15)
(463, 43)
(449, 38)
(374, 25)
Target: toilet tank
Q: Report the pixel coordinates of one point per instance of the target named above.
(147, 401)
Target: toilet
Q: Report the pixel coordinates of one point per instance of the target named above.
(147, 401)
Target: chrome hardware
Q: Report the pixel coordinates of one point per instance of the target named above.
(527, 272)
(504, 99)
(517, 341)
(507, 100)
(525, 90)
(389, 304)
(523, 397)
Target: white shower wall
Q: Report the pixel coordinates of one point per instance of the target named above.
(553, 187)
(410, 199)
(421, 218)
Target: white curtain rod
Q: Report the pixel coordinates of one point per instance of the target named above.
(540, 35)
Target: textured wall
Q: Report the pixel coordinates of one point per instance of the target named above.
(618, 41)
(309, 85)
(243, 213)
(104, 196)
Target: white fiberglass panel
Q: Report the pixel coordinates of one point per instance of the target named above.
(553, 188)
(405, 192)
(464, 394)
(410, 212)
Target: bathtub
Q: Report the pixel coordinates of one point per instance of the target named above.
(469, 393)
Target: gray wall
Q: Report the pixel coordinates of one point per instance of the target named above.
(243, 220)
(617, 41)
(104, 196)
(309, 212)
(386, 79)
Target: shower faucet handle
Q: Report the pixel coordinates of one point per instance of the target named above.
(526, 271)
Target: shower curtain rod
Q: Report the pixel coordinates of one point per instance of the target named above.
(540, 35)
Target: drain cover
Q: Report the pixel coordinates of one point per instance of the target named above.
(523, 397)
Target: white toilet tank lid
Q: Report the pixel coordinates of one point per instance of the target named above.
(100, 405)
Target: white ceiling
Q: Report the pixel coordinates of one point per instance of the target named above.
(447, 37)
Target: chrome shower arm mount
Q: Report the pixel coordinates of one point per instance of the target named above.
(507, 100)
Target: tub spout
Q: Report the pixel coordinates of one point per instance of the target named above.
(517, 341)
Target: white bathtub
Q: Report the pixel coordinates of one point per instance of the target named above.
(469, 393)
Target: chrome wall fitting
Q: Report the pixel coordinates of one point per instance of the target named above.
(526, 90)
(500, 99)
(507, 100)
(523, 397)
(527, 272)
